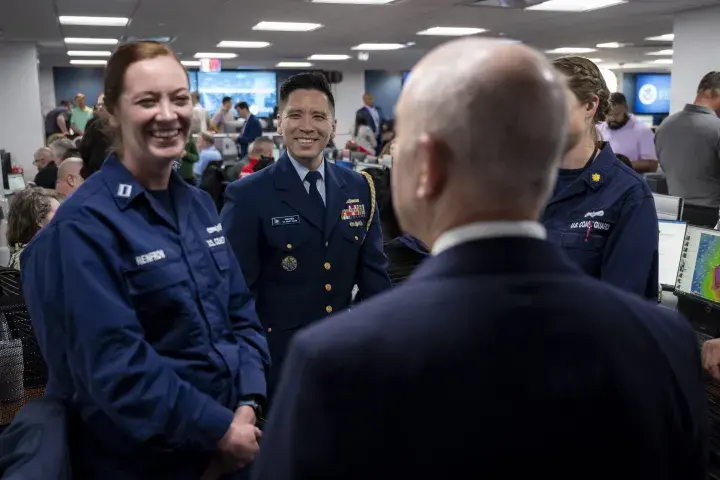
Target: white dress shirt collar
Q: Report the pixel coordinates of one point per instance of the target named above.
(483, 230)
(302, 170)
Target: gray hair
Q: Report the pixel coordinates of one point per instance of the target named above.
(60, 147)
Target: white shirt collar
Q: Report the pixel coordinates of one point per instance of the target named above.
(303, 170)
(482, 230)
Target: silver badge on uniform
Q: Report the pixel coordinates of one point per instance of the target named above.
(289, 264)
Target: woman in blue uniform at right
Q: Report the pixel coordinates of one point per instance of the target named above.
(601, 213)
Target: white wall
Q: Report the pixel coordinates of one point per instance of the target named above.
(697, 37)
(22, 126)
(348, 99)
(47, 90)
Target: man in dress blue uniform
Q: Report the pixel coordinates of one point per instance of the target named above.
(305, 231)
(497, 359)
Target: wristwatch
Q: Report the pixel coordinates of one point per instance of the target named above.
(252, 403)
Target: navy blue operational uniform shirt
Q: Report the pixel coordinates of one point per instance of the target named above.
(146, 323)
(604, 218)
(301, 257)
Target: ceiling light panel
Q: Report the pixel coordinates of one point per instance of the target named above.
(94, 21)
(663, 61)
(379, 46)
(610, 45)
(287, 26)
(191, 63)
(294, 64)
(91, 41)
(571, 50)
(220, 55)
(662, 52)
(575, 5)
(356, 2)
(452, 31)
(328, 57)
(668, 37)
(242, 44)
(88, 53)
(88, 62)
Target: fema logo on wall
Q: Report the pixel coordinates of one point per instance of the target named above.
(648, 94)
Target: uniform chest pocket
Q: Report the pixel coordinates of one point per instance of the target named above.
(221, 257)
(582, 241)
(156, 277)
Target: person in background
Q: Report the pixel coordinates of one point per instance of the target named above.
(688, 146)
(95, 144)
(262, 149)
(625, 160)
(629, 137)
(305, 230)
(365, 138)
(201, 117)
(251, 129)
(57, 121)
(154, 344)
(601, 214)
(545, 370)
(80, 116)
(48, 165)
(68, 176)
(373, 117)
(30, 210)
(208, 153)
(222, 116)
(188, 160)
(404, 252)
(54, 138)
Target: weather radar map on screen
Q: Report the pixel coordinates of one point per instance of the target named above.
(706, 278)
(699, 272)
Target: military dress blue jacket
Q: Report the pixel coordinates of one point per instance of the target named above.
(147, 325)
(302, 267)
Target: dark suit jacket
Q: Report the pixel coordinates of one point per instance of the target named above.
(364, 113)
(301, 265)
(495, 360)
(47, 176)
(251, 130)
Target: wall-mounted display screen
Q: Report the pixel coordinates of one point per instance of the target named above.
(652, 93)
(258, 89)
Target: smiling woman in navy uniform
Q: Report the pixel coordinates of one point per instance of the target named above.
(305, 230)
(142, 313)
(601, 213)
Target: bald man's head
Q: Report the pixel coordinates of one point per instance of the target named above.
(480, 127)
(68, 177)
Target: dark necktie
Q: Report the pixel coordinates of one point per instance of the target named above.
(315, 197)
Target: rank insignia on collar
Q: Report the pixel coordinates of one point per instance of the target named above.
(595, 177)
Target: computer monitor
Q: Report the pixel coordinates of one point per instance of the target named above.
(667, 207)
(672, 236)
(16, 182)
(700, 215)
(699, 271)
(6, 166)
(648, 120)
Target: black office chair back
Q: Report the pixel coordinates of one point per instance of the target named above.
(23, 372)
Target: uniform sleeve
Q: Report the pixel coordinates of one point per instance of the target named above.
(242, 229)
(110, 361)
(630, 258)
(646, 145)
(371, 276)
(254, 353)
